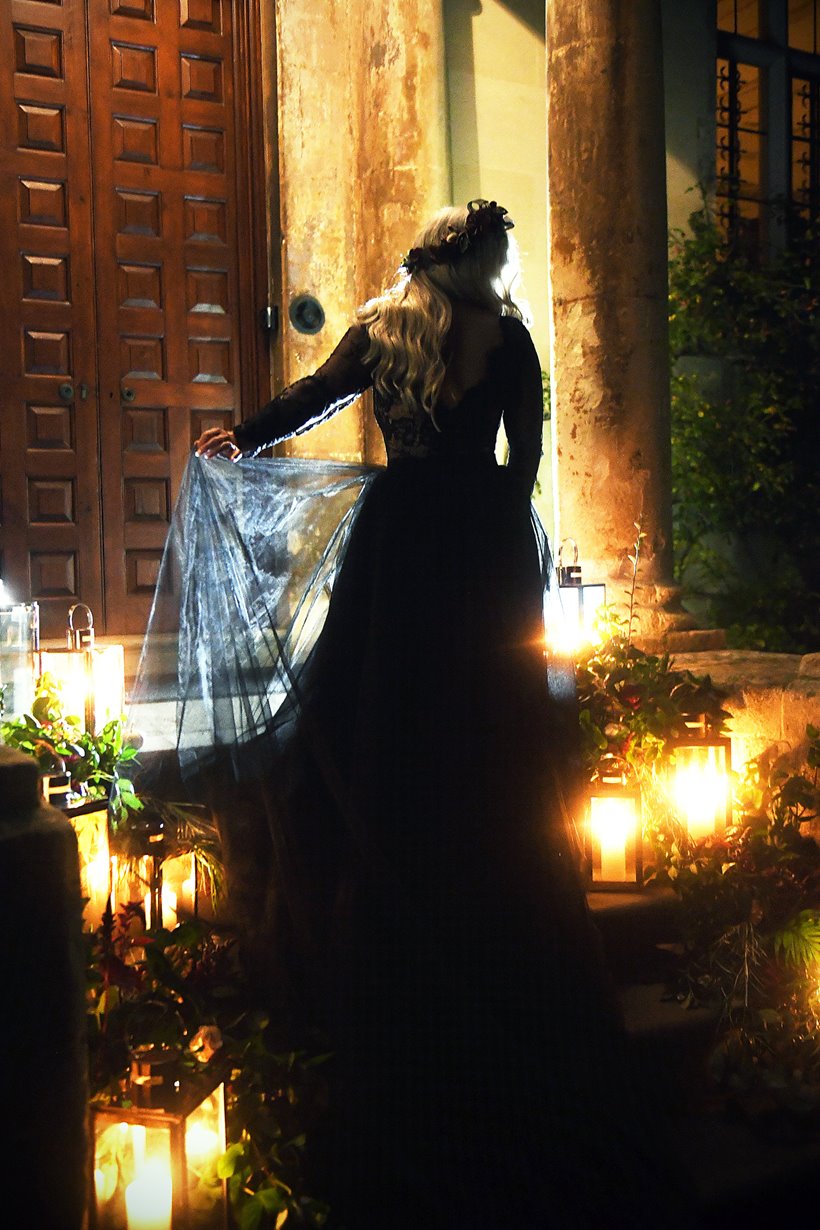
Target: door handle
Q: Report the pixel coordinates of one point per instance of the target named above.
(128, 394)
(66, 391)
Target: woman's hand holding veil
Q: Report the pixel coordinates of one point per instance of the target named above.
(217, 442)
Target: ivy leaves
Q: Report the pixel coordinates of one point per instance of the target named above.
(744, 330)
(60, 743)
(632, 703)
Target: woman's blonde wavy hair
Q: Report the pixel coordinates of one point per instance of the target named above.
(408, 323)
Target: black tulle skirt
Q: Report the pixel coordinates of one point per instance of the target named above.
(405, 866)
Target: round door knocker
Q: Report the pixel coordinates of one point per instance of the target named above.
(306, 314)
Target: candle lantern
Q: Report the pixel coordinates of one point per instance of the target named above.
(138, 881)
(614, 829)
(701, 779)
(178, 893)
(572, 620)
(155, 1160)
(90, 823)
(91, 677)
(19, 644)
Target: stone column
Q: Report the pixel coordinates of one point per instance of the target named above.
(608, 289)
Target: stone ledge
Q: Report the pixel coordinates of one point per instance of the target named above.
(772, 697)
(684, 640)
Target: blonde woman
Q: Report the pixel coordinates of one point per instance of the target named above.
(427, 910)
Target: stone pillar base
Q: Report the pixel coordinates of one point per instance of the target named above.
(660, 623)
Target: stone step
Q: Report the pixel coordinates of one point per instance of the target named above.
(670, 1042)
(632, 925)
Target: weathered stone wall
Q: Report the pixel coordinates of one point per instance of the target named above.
(496, 92)
(772, 697)
(361, 147)
(689, 50)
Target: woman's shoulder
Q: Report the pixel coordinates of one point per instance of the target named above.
(514, 328)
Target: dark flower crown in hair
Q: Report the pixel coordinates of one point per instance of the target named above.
(483, 218)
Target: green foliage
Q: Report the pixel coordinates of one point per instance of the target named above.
(749, 899)
(750, 920)
(632, 703)
(60, 743)
(798, 942)
(745, 440)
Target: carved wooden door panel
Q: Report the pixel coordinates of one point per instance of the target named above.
(50, 532)
(122, 184)
(167, 292)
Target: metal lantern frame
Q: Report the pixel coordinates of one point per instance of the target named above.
(615, 781)
(698, 743)
(90, 668)
(90, 823)
(19, 647)
(156, 874)
(578, 600)
(165, 1106)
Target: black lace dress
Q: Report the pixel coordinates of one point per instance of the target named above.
(423, 904)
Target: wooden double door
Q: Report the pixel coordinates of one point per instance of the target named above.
(133, 279)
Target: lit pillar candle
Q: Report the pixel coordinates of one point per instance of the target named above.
(148, 1199)
(201, 1143)
(701, 788)
(169, 908)
(188, 897)
(612, 821)
(178, 889)
(98, 886)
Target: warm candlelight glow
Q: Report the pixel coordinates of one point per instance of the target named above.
(701, 787)
(148, 1198)
(178, 889)
(105, 1183)
(201, 1142)
(573, 620)
(91, 682)
(169, 909)
(98, 882)
(160, 1161)
(95, 862)
(612, 821)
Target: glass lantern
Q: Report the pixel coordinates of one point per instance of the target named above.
(19, 643)
(178, 894)
(572, 619)
(90, 824)
(614, 829)
(155, 1161)
(91, 677)
(166, 888)
(137, 881)
(700, 772)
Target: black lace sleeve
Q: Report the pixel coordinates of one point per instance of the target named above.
(524, 412)
(309, 401)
